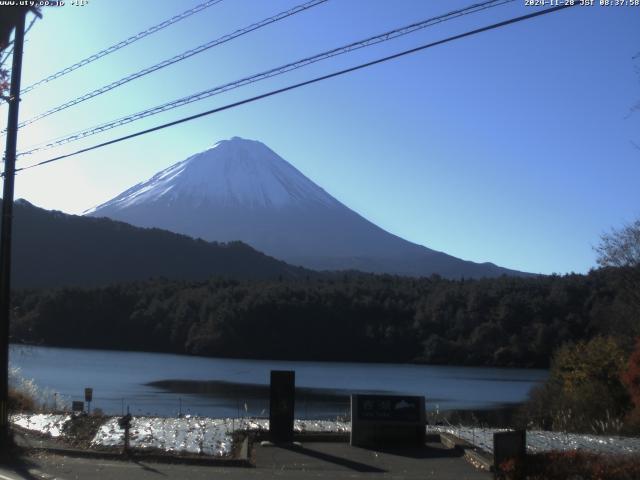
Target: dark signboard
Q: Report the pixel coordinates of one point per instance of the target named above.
(281, 405)
(389, 408)
(379, 420)
(77, 406)
(88, 394)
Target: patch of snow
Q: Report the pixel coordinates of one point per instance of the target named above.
(543, 441)
(45, 423)
(323, 426)
(196, 435)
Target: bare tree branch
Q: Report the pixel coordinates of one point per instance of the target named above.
(6, 56)
(621, 249)
(4, 73)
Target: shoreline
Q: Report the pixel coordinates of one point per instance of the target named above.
(164, 384)
(270, 359)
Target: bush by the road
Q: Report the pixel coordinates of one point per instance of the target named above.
(20, 401)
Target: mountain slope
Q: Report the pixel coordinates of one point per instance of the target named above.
(54, 249)
(241, 190)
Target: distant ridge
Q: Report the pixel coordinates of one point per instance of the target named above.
(52, 249)
(241, 190)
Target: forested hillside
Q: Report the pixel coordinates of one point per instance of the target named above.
(504, 321)
(52, 248)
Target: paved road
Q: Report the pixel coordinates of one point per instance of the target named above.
(311, 461)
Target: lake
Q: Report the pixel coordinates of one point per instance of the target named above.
(218, 387)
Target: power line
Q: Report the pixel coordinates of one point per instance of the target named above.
(122, 44)
(305, 83)
(176, 58)
(265, 75)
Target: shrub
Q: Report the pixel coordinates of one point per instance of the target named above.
(20, 402)
(584, 391)
(29, 396)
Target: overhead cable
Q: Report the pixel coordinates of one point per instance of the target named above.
(302, 84)
(264, 75)
(175, 59)
(122, 44)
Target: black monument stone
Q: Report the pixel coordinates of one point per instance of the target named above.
(281, 406)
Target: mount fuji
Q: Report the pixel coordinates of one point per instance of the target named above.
(241, 190)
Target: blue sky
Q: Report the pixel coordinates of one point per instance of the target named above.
(514, 146)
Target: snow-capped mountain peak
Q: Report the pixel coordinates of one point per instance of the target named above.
(241, 190)
(234, 171)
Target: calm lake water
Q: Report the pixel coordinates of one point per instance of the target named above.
(225, 387)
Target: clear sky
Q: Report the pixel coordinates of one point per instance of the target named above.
(515, 146)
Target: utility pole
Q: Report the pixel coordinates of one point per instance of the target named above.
(5, 233)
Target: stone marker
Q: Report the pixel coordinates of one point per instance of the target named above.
(509, 446)
(379, 420)
(281, 405)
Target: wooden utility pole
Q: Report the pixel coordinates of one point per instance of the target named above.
(5, 233)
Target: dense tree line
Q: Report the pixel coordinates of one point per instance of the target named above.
(503, 322)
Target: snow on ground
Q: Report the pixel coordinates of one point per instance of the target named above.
(541, 441)
(299, 426)
(212, 436)
(318, 426)
(197, 435)
(47, 423)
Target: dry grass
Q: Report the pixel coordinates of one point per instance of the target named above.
(20, 402)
